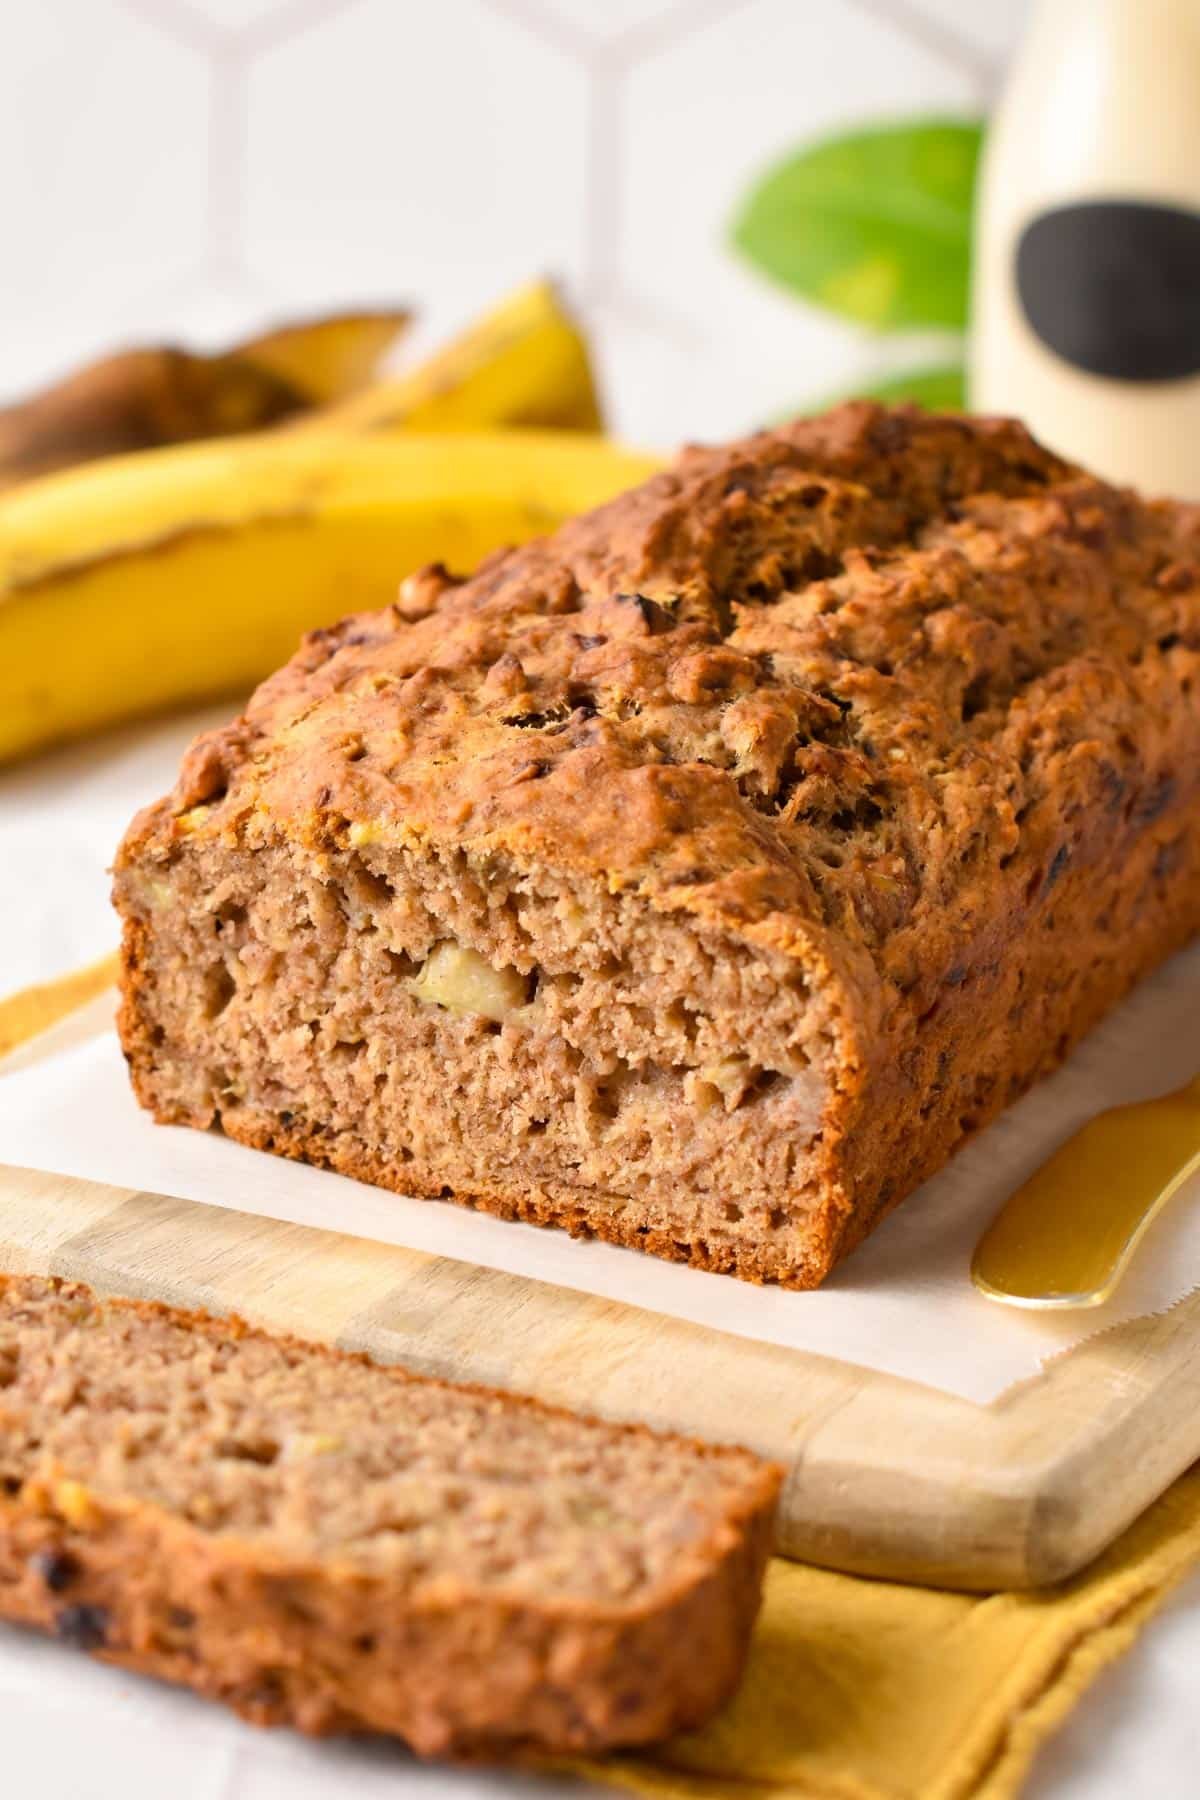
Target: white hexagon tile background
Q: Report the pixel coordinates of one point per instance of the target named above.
(192, 168)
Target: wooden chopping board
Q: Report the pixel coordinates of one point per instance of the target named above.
(885, 1477)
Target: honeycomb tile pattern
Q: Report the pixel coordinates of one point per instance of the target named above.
(197, 167)
(453, 161)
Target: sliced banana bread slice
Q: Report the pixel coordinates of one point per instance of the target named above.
(324, 1542)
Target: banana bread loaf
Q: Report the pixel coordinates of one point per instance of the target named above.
(701, 876)
(322, 1542)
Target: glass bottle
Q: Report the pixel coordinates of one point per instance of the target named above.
(1086, 289)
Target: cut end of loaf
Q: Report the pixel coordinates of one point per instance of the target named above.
(457, 1027)
(329, 1543)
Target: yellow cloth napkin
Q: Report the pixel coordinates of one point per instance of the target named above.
(36, 1009)
(867, 1690)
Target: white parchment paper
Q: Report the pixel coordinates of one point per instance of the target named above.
(903, 1304)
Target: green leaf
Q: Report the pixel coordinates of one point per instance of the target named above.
(874, 225)
(939, 388)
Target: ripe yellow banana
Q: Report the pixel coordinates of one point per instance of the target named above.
(525, 362)
(141, 582)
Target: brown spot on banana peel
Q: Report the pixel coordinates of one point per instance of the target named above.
(138, 400)
(142, 399)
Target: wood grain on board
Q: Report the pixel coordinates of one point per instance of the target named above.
(886, 1477)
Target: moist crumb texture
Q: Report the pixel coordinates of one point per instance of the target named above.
(699, 877)
(324, 1542)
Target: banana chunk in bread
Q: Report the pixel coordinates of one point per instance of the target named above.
(701, 876)
(323, 1542)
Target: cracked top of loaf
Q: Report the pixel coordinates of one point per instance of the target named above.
(839, 686)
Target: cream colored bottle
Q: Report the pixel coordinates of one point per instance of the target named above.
(1086, 287)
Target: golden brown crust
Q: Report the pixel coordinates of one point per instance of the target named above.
(329, 1646)
(904, 700)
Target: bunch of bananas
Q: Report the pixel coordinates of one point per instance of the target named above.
(187, 569)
